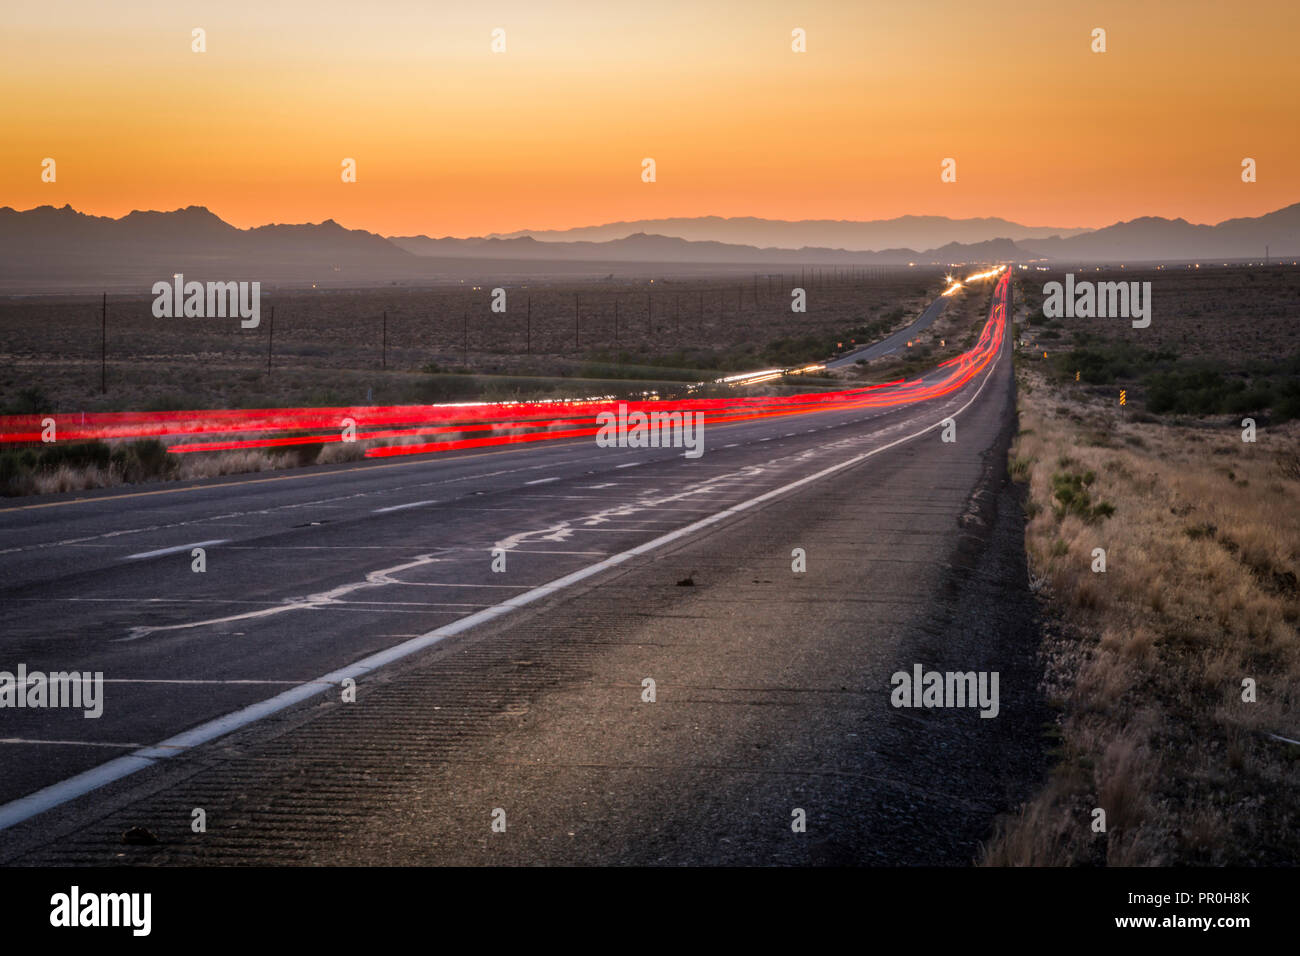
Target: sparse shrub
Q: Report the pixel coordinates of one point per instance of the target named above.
(144, 460)
(29, 401)
(1070, 491)
(305, 454)
(75, 466)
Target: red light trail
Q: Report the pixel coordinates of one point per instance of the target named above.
(503, 423)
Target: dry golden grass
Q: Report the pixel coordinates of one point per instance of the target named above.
(1145, 661)
(215, 464)
(192, 467)
(339, 451)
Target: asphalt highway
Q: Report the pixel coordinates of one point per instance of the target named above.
(523, 689)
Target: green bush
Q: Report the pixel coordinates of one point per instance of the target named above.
(1193, 391)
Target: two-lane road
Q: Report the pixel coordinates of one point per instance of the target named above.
(895, 341)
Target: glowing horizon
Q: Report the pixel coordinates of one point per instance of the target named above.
(452, 139)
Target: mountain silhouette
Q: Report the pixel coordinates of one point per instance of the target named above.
(1152, 237)
(60, 249)
(902, 232)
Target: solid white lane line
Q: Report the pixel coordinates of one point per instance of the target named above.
(176, 550)
(52, 796)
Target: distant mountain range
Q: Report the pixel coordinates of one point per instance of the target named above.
(943, 239)
(48, 248)
(1152, 237)
(642, 247)
(182, 230)
(904, 232)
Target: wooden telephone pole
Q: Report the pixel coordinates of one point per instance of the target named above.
(103, 345)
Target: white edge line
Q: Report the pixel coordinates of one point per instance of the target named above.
(52, 796)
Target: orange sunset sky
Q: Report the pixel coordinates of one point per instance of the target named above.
(452, 139)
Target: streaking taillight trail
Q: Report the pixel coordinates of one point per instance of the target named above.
(500, 423)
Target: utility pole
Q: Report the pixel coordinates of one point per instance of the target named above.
(383, 361)
(103, 345)
(616, 321)
(575, 320)
(528, 328)
(270, 337)
(467, 341)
